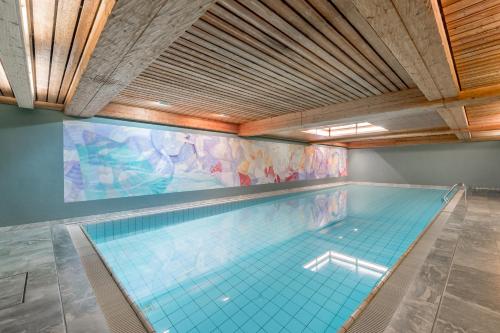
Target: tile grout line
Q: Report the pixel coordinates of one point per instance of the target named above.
(445, 285)
(25, 286)
(58, 282)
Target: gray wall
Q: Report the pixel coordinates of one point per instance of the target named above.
(31, 172)
(476, 164)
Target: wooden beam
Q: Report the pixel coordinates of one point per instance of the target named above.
(456, 118)
(387, 135)
(120, 111)
(135, 34)
(15, 53)
(376, 107)
(475, 130)
(385, 106)
(414, 32)
(37, 104)
(349, 11)
(446, 138)
(383, 17)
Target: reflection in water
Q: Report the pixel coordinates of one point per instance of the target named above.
(185, 251)
(354, 264)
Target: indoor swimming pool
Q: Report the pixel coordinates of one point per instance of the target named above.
(295, 263)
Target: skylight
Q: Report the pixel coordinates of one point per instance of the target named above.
(345, 130)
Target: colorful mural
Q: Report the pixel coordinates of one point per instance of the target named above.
(103, 161)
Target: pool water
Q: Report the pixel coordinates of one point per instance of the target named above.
(299, 263)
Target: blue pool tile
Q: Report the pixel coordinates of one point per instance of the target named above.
(184, 326)
(218, 318)
(295, 326)
(271, 309)
(251, 326)
(165, 322)
(230, 308)
(205, 326)
(282, 317)
(261, 317)
(272, 326)
(291, 308)
(304, 316)
(312, 306)
(325, 315)
(240, 317)
(228, 326)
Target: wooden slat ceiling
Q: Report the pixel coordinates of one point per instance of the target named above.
(474, 32)
(59, 33)
(484, 115)
(301, 60)
(250, 60)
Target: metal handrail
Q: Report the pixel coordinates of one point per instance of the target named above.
(445, 197)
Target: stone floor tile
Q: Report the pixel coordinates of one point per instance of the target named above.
(446, 241)
(480, 260)
(413, 316)
(41, 315)
(12, 290)
(457, 315)
(429, 283)
(478, 239)
(475, 286)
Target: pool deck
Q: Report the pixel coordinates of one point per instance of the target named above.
(43, 285)
(458, 286)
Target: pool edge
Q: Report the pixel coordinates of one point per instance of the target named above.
(140, 315)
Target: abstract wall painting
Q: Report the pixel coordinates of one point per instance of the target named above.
(103, 161)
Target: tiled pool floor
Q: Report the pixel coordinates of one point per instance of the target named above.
(293, 264)
(456, 288)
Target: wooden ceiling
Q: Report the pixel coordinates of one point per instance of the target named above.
(426, 70)
(251, 60)
(58, 31)
(474, 34)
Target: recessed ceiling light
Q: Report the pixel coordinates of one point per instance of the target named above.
(346, 130)
(222, 115)
(164, 103)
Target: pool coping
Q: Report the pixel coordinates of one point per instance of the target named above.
(204, 203)
(226, 199)
(87, 248)
(138, 312)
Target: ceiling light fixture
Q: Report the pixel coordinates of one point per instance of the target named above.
(346, 130)
(164, 103)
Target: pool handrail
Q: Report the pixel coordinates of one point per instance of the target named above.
(445, 197)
